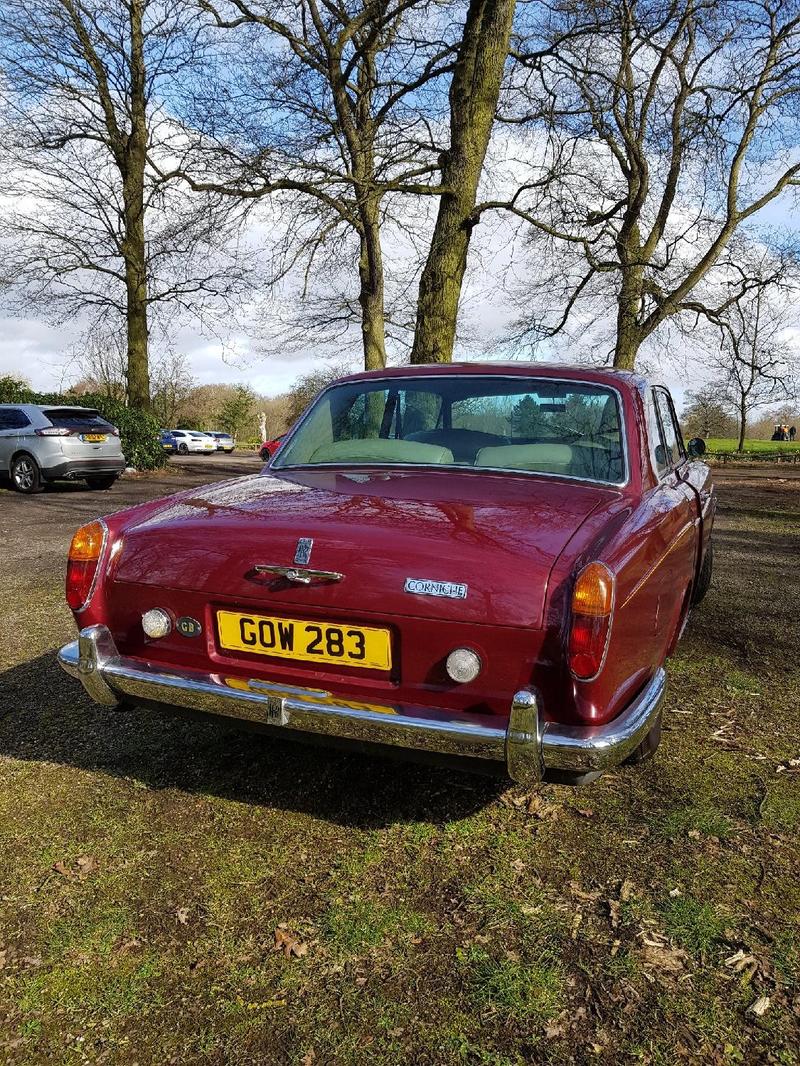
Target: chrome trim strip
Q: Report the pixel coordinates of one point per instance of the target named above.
(527, 746)
(458, 466)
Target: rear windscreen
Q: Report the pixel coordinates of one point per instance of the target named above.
(77, 418)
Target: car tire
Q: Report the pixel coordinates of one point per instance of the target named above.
(26, 477)
(183, 449)
(101, 482)
(703, 583)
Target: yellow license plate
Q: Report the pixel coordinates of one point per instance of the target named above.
(294, 638)
(95, 438)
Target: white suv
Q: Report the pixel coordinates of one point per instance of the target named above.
(47, 442)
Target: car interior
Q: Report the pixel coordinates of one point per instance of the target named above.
(555, 428)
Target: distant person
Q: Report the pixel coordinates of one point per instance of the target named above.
(778, 434)
(792, 433)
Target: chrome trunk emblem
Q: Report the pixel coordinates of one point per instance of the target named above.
(422, 586)
(302, 554)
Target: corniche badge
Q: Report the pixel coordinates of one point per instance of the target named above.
(422, 586)
(302, 554)
(188, 627)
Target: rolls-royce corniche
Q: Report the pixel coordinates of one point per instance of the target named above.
(486, 563)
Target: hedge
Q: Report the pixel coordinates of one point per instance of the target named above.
(139, 432)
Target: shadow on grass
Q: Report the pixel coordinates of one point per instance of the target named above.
(45, 716)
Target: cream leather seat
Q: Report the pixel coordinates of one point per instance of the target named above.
(547, 458)
(381, 450)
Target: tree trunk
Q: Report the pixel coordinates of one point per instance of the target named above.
(474, 93)
(134, 247)
(742, 424)
(370, 297)
(629, 333)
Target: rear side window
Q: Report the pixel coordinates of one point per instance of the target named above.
(78, 418)
(12, 419)
(669, 425)
(659, 455)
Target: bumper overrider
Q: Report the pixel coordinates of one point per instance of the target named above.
(526, 744)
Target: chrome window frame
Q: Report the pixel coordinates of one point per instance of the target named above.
(459, 466)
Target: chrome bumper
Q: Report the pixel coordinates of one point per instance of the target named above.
(526, 745)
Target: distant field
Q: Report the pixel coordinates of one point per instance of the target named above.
(728, 444)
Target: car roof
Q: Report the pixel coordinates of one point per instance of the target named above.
(49, 407)
(511, 368)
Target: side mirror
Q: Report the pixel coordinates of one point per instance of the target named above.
(696, 447)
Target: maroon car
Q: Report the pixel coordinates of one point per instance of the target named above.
(491, 562)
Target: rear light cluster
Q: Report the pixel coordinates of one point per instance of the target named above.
(592, 608)
(85, 553)
(63, 431)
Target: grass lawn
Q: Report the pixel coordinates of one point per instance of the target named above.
(182, 893)
(729, 444)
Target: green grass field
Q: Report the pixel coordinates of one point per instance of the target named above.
(728, 444)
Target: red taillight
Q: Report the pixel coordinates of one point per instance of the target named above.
(82, 561)
(592, 606)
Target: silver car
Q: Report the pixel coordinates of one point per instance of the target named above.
(47, 442)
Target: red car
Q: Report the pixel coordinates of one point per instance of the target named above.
(491, 562)
(269, 447)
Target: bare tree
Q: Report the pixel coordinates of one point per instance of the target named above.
(670, 125)
(171, 386)
(331, 115)
(756, 362)
(95, 229)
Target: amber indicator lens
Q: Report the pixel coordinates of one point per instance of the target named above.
(87, 543)
(592, 602)
(594, 590)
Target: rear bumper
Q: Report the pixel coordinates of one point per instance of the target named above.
(78, 468)
(526, 745)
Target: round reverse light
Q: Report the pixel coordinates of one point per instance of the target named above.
(463, 665)
(156, 623)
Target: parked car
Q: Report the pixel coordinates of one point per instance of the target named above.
(169, 442)
(193, 440)
(269, 447)
(47, 442)
(491, 562)
(224, 441)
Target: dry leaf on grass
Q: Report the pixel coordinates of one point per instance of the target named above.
(182, 914)
(290, 944)
(62, 868)
(760, 1007)
(663, 958)
(86, 864)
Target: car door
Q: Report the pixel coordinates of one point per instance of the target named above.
(675, 503)
(13, 422)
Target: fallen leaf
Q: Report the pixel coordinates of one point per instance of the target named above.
(182, 914)
(693, 834)
(584, 812)
(86, 863)
(760, 1007)
(740, 960)
(614, 912)
(626, 890)
(308, 1058)
(675, 892)
(62, 868)
(288, 943)
(664, 958)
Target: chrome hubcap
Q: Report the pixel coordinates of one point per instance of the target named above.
(23, 474)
